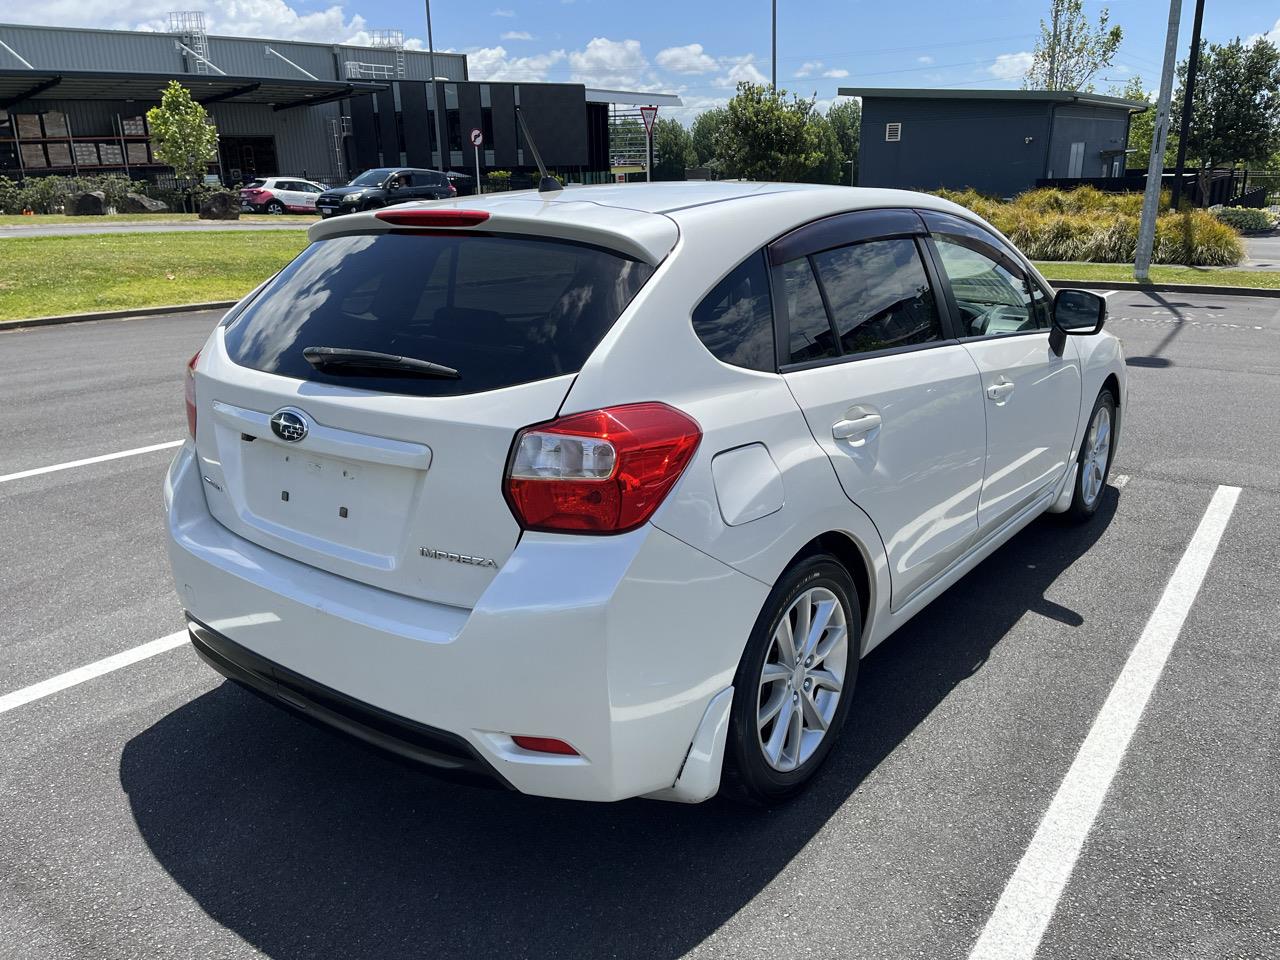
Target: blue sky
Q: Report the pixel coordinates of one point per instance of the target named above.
(700, 49)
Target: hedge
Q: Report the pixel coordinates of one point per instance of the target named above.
(1088, 225)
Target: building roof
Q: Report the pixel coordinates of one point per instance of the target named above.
(1049, 96)
(19, 85)
(633, 98)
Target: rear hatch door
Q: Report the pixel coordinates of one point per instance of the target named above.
(385, 476)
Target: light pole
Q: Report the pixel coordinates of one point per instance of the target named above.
(773, 57)
(435, 93)
(1188, 95)
(1159, 136)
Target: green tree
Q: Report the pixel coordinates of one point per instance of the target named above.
(672, 150)
(1235, 113)
(845, 118)
(1142, 126)
(1070, 50)
(705, 136)
(182, 135)
(767, 136)
(830, 162)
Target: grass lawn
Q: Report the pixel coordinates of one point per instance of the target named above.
(46, 276)
(44, 219)
(1210, 276)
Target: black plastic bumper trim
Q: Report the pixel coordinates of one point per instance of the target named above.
(437, 751)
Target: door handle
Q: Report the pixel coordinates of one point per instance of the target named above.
(1000, 390)
(858, 427)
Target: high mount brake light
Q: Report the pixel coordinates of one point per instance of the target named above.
(604, 471)
(433, 218)
(189, 389)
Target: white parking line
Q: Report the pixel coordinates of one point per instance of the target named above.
(21, 474)
(1014, 930)
(11, 701)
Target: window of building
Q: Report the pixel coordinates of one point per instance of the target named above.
(452, 117)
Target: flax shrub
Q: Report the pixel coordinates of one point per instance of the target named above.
(1088, 225)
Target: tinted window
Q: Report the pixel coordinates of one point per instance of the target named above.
(371, 178)
(735, 320)
(500, 310)
(879, 295)
(991, 293)
(809, 333)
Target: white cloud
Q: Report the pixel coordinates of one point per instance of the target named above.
(503, 12)
(1272, 35)
(740, 69)
(687, 59)
(1011, 66)
(835, 74)
(493, 63)
(517, 35)
(808, 69)
(926, 60)
(616, 64)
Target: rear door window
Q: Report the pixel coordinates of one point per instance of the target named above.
(501, 310)
(879, 295)
(809, 329)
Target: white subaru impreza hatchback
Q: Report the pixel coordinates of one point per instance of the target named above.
(604, 492)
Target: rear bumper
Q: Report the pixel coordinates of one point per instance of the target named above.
(443, 753)
(616, 645)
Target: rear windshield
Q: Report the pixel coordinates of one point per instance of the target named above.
(255, 183)
(501, 310)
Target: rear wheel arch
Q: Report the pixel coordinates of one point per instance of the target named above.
(851, 556)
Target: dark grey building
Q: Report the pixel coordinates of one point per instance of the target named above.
(74, 101)
(999, 142)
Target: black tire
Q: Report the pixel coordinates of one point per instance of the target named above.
(274, 207)
(748, 775)
(1083, 507)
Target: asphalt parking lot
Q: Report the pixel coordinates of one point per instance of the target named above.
(157, 811)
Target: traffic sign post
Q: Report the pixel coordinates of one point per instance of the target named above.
(648, 115)
(477, 138)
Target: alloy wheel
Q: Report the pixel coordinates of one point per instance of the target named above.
(802, 679)
(1097, 449)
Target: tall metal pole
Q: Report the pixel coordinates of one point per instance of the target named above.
(435, 92)
(1188, 96)
(1159, 136)
(773, 57)
(1053, 52)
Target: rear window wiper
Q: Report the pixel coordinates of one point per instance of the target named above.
(344, 361)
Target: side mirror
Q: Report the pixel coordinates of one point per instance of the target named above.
(1076, 313)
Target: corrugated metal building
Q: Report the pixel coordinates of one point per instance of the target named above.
(999, 142)
(75, 100)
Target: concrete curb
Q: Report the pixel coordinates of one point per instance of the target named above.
(116, 314)
(1215, 290)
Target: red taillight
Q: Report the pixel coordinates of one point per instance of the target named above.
(545, 745)
(190, 391)
(433, 218)
(605, 471)
(453, 191)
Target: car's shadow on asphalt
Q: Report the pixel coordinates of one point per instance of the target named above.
(306, 844)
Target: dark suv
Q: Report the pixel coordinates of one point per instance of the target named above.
(383, 187)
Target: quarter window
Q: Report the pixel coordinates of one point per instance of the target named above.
(879, 295)
(735, 320)
(993, 295)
